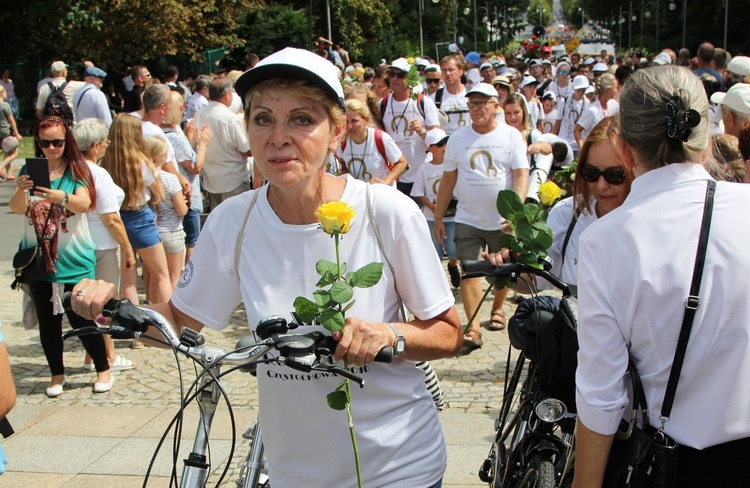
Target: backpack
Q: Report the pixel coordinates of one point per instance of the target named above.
(379, 145)
(57, 104)
(384, 104)
(439, 97)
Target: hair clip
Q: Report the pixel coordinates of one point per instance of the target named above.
(680, 123)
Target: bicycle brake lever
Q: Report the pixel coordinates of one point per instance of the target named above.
(328, 368)
(92, 329)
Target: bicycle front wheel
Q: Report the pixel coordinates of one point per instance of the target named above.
(540, 473)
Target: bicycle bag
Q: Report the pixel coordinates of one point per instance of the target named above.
(544, 328)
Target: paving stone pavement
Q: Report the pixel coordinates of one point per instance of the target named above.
(81, 439)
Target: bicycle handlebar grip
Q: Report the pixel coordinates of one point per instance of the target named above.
(385, 355)
(110, 307)
(484, 268)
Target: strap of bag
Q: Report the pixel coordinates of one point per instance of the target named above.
(691, 305)
(241, 235)
(569, 233)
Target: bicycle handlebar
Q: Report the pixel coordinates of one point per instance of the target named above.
(511, 271)
(302, 352)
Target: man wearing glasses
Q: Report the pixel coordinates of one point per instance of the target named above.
(140, 75)
(407, 120)
(481, 159)
(432, 80)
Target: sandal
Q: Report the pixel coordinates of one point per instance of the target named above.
(122, 364)
(498, 320)
(472, 340)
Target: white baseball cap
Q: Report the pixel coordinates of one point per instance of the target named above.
(485, 66)
(600, 68)
(739, 65)
(590, 89)
(580, 82)
(527, 80)
(589, 61)
(662, 58)
(294, 63)
(422, 62)
(402, 64)
(736, 98)
(435, 136)
(483, 89)
(58, 67)
(549, 95)
(433, 67)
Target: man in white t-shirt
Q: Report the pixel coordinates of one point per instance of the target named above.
(59, 76)
(569, 110)
(453, 97)
(407, 120)
(481, 159)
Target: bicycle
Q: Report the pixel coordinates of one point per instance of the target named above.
(535, 428)
(303, 352)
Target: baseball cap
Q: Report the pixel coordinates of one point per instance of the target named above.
(662, 58)
(483, 89)
(401, 63)
(422, 62)
(549, 95)
(502, 80)
(453, 47)
(294, 63)
(546, 49)
(472, 57)
(527, 80)
(535, 62)
(589, 61)
(435, 136)
(94, 71)
(547, 61)
(736, 98)
(433, 67)
(739, 65)
(600, 68)
(580, 82)
(485, 66)
(58, 67)
(590, 89)
(498, 63)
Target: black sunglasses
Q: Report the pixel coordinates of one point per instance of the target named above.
(58, 143)
(397, 74)
(432, 80)
(441, 143)
(591, 174)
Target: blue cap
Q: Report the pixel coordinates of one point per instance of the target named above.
(94, 71)
(472, 57)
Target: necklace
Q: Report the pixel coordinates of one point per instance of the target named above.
(397, 122)
(58, 170)
(357, 174)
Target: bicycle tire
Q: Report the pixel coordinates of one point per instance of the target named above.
(499, 461)
(540, 473)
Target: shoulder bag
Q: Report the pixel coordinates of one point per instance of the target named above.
(29, 263)
(646, 457)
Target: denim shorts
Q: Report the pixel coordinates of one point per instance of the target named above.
(191, 223)
(140, 226)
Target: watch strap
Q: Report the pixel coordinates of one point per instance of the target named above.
(399, 338)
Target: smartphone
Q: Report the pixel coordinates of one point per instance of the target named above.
(38, 171)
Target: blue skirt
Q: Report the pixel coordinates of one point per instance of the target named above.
(140, 226)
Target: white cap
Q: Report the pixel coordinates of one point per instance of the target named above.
(453, 47)
(294, 63)
(739, 65)
(663, 58)
(600, 67)
(422, 62)
(736, 98)
(589, 61)
(549, 94)
(485, 66)
(535, 62)
(590, 89)
(433, 67)
(483, 89)
(580, 82)
(402, 64)
(434, 136)
(58, 67)
(527, 80)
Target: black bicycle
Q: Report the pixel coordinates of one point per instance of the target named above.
(534, 440)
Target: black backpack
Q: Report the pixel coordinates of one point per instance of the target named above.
(57, 104)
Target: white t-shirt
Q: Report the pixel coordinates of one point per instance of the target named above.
(427, 185)
(569, 112)
(552, 139)
(548, 121)
(485, 164)
(594, 114)
(535, 111)
(167, 219)
(109, 198)
(473, 76)
(397, 428)
(152, 130)
(364, 161)
(561, 91)
(396, 119)
(457, 110)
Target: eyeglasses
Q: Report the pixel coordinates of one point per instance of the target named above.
(562, 73)
(591, 174)
(478, 104)
(397, 74)
(58, 143)
(432, 80)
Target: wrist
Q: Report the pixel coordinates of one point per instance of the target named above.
(65, 199)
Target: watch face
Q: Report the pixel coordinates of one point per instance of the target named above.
(400, 346)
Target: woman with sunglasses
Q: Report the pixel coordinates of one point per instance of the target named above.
(561, 86)
(58, 214)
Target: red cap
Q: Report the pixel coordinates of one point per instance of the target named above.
(546, 49)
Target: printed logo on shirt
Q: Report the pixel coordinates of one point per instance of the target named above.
(396, 123)
(187, 275)
(490, 165)
(436, 186)
(358, 169)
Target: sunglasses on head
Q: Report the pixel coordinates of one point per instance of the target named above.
(397, 74)
(591, 174)
(58, 143)
(433, 80)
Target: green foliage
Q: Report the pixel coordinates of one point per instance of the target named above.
(530, 237)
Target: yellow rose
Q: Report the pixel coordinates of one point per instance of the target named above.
(335, 217)
(410, 59)
(549, 193)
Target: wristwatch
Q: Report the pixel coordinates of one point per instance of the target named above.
(400, 341)
(65, 199)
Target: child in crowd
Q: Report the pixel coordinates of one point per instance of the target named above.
(169, 212)
(425, 190)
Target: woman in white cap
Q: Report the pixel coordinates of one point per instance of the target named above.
(527, 88)
(569, 110)
(603, 106)
(294, 112)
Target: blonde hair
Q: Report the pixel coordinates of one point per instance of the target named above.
(174, 116)
(124, 158)
(517, 99)
(360, 108)
(156, 148)
(605, 82)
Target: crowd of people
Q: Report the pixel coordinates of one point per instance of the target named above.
(128, 182)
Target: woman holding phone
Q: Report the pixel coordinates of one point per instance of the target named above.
(58, 213)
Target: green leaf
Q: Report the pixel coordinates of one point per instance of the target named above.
(323, 267)
(509, 203)
(307, 310)
(524, 231)
(342, 269)
(341, 292)
(350, 305)
(367, 275)
(337, 400)
(348, 277)
(327, 279)
(507, 240)
(322, 298)
(530, 210)
(331, 319)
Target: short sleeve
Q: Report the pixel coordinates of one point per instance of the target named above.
(391, 148)
(520, 160)
(430, 112)
(418, 189)
(587, 119)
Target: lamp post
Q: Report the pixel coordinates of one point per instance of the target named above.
(726, 21)
(647, 14)
(673, 7)
(580, 9)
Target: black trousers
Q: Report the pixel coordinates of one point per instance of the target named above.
(725, 465)
(50, 331)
